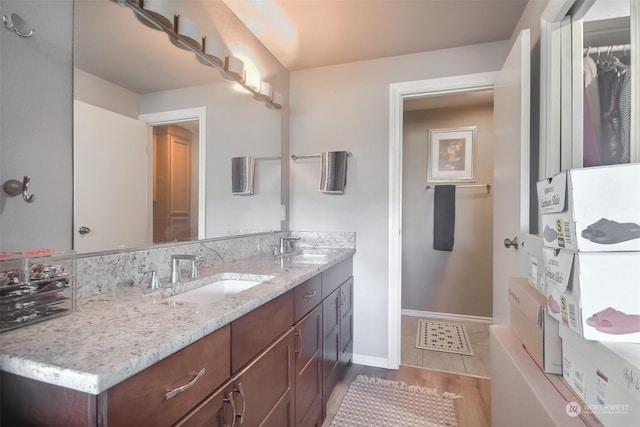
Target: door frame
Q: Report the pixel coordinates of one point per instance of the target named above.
(184, 115)
(398, 92)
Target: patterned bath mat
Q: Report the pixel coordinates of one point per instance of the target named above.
(374, 402)
(439, 335)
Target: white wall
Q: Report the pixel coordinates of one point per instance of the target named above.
(346, 107)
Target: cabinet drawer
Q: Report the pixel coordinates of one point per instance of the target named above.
(306, 296)
(335, 276)
(144, 399)
(261, 394)
(254, 331)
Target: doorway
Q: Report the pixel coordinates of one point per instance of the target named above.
(399, 93)
(191, 121)
(175, 182)
(456, 285)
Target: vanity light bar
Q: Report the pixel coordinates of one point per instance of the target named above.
(228, 69)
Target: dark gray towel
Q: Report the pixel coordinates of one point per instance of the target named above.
(333, 172)
(444, 217)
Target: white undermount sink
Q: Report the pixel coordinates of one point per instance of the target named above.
(223, 286)
(309, 258)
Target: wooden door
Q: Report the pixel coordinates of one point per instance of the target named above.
(172, 184)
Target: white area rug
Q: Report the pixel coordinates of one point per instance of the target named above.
(374, 402)
(439, 335)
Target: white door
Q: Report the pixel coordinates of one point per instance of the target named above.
(511, 171)
(111, 180)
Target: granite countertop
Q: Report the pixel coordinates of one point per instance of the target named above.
(112, 336)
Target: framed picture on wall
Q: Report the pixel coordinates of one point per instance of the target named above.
(451, 154)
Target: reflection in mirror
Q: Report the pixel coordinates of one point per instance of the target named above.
(154, 134)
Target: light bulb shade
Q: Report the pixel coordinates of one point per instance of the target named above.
(160, 10)
(265, 93)
(213, 51)
(188, 32)
(277, 102)
(252, 80)
(233, 69)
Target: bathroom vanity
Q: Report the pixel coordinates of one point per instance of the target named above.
(268, 355)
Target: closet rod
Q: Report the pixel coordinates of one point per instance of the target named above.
(487, 186)
(605, 49)
(267, 158)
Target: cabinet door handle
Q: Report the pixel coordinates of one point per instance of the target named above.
(176, 391)
(310, 294)
(228, 399)
(244, 401)
(298, 333)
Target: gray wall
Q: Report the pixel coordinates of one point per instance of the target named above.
(346, 107)
(461, 281)
(36, 125)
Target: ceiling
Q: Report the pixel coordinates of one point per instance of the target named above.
(314, 33)
(111, 43)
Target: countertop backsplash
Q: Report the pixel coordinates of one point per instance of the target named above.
(107, 271)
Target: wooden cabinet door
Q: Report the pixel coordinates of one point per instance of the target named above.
(263, 391)
(346, 321)
(330, 342)
(308, 367)
(218, 410)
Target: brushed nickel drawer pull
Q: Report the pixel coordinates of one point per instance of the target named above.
(310, 294)
(176, 391)
(244, 402)
(229, 399)
(298, 334)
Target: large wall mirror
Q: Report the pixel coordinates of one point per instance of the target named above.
(151, 123)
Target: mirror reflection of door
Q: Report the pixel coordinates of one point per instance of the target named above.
(114, 180)
(110, 180)
(172, 178)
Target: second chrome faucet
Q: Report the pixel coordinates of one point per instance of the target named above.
(286, 244)
(175, 276)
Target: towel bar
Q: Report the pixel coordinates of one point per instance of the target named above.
(267, 158)
(487, 186)
(305, 156)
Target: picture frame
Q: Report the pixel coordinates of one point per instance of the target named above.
(451, 155)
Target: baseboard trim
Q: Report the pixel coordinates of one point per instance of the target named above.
(376, 362)
(447, 316)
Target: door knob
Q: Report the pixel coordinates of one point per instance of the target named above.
(84, 230)
(514, 242)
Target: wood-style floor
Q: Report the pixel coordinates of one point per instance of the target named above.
(462, 375)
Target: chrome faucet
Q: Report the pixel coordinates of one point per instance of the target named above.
(286, 244)
(174, 276)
